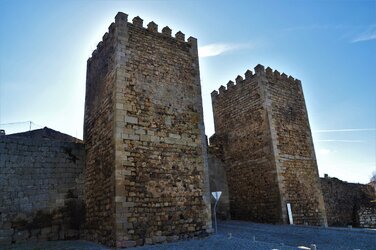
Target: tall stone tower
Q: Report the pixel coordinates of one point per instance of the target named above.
(262, 128)
(146, 165)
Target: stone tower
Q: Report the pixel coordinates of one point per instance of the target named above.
(262, 130)
(146, 163)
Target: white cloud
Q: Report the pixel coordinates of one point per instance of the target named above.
(314, 27)
(216, 49)
(331, 140)
(324, 151)
(344, 130)
(369, 34)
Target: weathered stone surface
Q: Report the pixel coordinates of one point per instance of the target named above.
(343, 201)
(262, 126)
(41, 186)
(146, 169)
(366, 215)
(218, 182)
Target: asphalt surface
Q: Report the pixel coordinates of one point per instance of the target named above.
(246, 235)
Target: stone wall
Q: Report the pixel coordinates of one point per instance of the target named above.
(99, 141)
(294, 154)
(41, 189)
(262, 125)
(366, 215)
(241, 127)
(343, 200)
(144, 123)
(218, 182)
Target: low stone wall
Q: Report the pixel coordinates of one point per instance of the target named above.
(218, 182)
(41, 189)
(343, 200)
(367, 216)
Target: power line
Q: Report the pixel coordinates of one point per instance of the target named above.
(30, 123)
(13, 123)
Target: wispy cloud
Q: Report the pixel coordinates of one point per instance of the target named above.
(350, 32)
(216, 49)
(369, 34)
(334, 140)
(324, 151)
(314, 27)
(344, 130)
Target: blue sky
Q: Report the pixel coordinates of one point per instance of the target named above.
(329, 45)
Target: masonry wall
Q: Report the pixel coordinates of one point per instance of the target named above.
(262, 124)
(41, 189)
(242, 130)
(295, 158)
(99, 125)
(218, 182)
(343, 201)
(151, 126)
(366, 215)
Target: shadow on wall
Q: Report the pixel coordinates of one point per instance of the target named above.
(63, 223)
(218, 182)
(41, 187)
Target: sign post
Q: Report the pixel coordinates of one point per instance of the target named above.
(289, 212)
(216, 195)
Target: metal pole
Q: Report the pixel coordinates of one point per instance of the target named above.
(215, 216)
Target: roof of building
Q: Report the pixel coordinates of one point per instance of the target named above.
(46, 133)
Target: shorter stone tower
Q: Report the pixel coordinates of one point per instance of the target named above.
(262, 130)
(146, 163)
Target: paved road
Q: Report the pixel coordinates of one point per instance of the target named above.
(323, 238)
(246, 235)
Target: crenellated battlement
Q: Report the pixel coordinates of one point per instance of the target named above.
(239, 80)
(137, 22)
(276, 75)
(153, 27)
(105, 39)
(260, 71)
